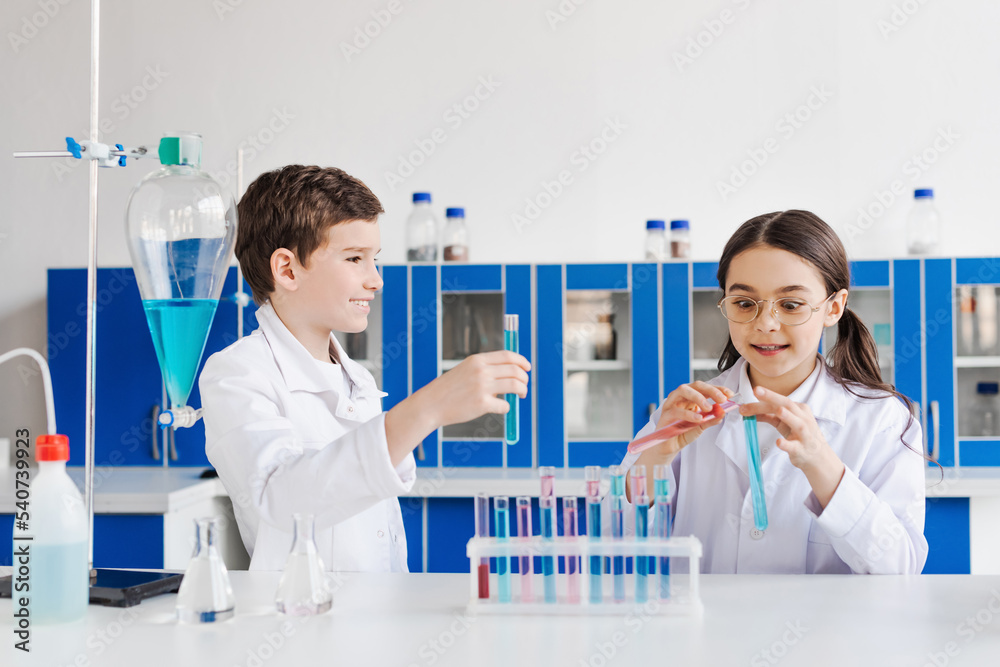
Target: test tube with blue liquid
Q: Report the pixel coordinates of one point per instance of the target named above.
(573, 564)
(524, 535)
(640, 499)
(661, 523)
(501, 517)
(756, 475)
(618, 529)
(546, 517)
(592, 476)
(511, 432)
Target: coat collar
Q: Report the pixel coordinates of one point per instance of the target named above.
(298, 368)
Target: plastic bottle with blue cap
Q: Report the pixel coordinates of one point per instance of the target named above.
(421, 230)
(455, 240)
(656, 241)
(680, 239)
(923, 224)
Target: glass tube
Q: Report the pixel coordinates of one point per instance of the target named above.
(511, 433)
(571, 530)
(501, 511)
(592, 474)
(618, 529)
(546, 519)
(483, 530)
(524, 534)
(641, 502)
(661, 523)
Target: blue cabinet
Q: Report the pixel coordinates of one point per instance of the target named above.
(606, 341)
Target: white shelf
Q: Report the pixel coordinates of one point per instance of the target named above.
(977, 362)
(598, 365)
(448, 364)
(704, 364)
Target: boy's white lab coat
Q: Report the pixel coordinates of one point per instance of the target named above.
(284, 439)
(873, 524)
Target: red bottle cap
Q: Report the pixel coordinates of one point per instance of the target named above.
(52, 448)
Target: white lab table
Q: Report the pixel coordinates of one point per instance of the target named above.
(421, 619)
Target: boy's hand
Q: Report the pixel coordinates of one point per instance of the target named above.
(470, 389)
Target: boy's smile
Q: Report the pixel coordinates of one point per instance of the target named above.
(334, 291)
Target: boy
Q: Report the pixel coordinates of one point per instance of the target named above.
(291, 423)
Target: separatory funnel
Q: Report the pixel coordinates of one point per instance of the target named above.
(181, 228)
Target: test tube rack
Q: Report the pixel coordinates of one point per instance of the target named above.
(683, 598)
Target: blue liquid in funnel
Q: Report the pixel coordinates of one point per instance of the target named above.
(180, 329)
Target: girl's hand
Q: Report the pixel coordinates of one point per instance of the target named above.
(801, 439)
(687, 403)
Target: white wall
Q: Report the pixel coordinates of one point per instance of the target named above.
(894, 76)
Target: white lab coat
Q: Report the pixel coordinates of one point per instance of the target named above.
(284, 439)
(873, 524)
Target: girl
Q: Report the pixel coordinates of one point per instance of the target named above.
(843, 478)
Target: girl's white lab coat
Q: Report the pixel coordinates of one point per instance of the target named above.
(285, 439)
(873, 524)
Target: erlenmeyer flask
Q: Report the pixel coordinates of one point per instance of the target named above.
(181, 227)
(303, 589)
(205, 595)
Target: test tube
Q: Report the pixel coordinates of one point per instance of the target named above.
(501, 511)
(572, 562)
(511, 432)
(641, 502)
(592, 475)
(524, 535)
(546, 517)
(483, 530)
(661, 523)
(618, 529)
(756, 476)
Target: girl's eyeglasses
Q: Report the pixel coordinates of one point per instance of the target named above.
(787, 310)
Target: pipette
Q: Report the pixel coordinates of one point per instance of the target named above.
(756, 477)
(640, 500)
(592, 475)
(501, 512)
(524, 534)
(570, 530)
(675, 428)
(483, 530)
(546, 517)
(511, 433)
(618, 529)
(661, 523)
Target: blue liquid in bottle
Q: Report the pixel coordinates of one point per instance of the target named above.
(60, 582)
(179, 328)
(511, 431)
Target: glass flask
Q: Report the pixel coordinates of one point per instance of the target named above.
(181, 228)
(205, 595)
(303, 589)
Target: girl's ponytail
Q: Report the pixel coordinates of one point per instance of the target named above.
(854, 356)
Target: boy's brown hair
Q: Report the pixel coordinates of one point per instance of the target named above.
(293, 207)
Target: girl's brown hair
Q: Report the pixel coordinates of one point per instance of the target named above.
(854, 358)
